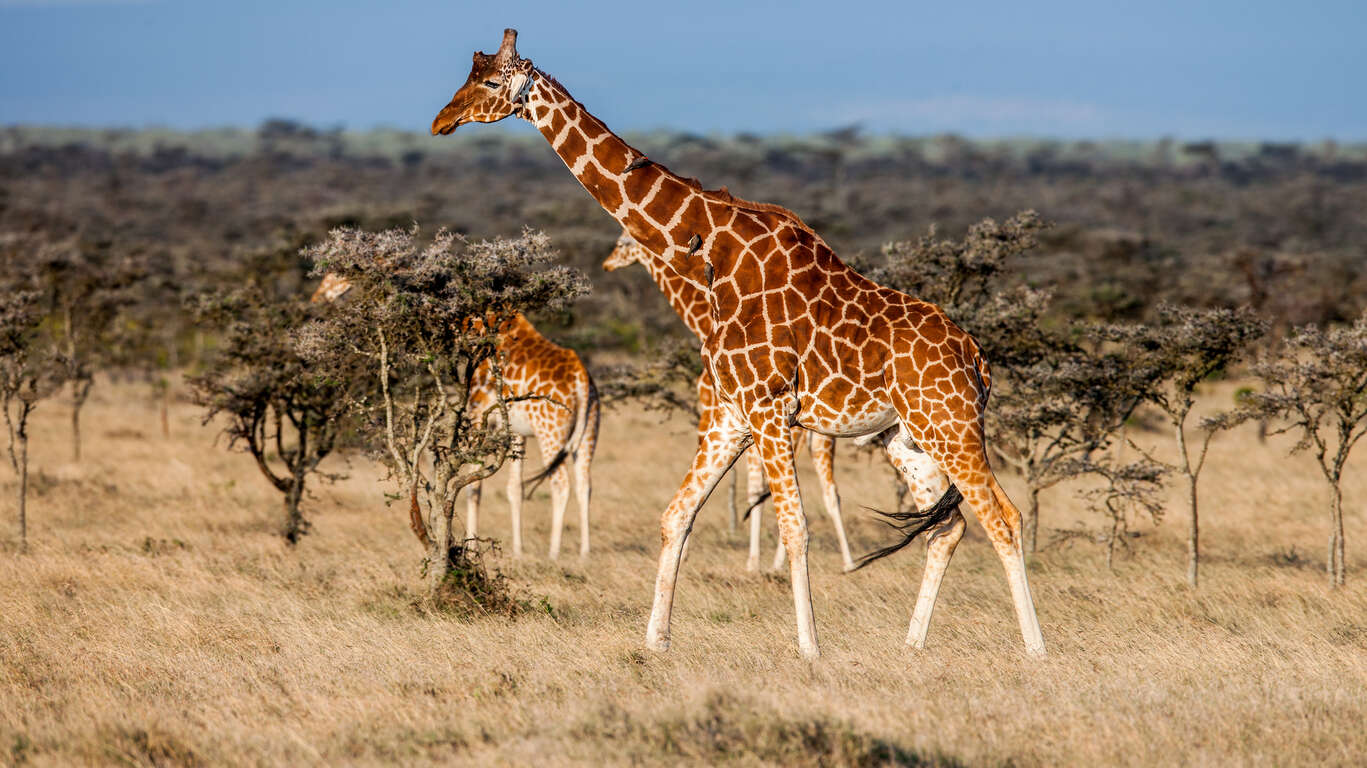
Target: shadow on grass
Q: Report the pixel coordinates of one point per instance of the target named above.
(727, 729)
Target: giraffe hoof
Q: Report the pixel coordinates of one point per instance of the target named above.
(810, 653)
(658, 645)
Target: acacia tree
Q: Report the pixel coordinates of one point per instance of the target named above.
(1184, 348)
(84, 289)
(420, 320)
(30, 371)
(276, 404)
(1318, 385)
(1053, 420)
(1124, 490)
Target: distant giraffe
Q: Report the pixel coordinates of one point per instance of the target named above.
(798, 337)
(561, 411)
(687, 294)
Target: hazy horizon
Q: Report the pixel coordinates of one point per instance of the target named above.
(1068, 70)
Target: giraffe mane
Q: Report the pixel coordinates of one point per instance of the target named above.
(725, 196)
(722, 195)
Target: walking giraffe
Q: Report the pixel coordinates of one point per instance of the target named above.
(553, 399)
(798, 337)
(687, 294)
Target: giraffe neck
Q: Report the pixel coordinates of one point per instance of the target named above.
(686, 293)
(678, 222)
(644, 199)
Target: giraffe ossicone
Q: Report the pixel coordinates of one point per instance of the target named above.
(798, 337)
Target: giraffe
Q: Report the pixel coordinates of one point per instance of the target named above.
(798, 337)
(553, 400)
(688, 296)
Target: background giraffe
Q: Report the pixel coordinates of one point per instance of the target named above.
(798, 338)
(688, 296)
(553, 400)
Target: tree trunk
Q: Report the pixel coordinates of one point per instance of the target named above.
(23, 480)
(1193, 536)
(1194, 531)
(166, 409)
(1110, 541)
(295, 525)
(439, 551)
(1030, 525)
(1336, 565)
(80, 393)
(75, 431)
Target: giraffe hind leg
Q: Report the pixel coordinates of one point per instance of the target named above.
(965, 461)
(936, 502)
(583, 485)
(929, 487)
(756, 492)
(822, 449)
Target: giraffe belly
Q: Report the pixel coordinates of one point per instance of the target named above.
(868, 421)
(519, 420)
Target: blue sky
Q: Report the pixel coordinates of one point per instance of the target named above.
(1224, 69)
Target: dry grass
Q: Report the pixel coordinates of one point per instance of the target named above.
(159, 620)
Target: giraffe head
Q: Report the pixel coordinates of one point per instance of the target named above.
(625, 253)
(331, 289)
(497, 88)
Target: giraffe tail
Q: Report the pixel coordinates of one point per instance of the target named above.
(759, 502)
(588, 408)
(914, 523)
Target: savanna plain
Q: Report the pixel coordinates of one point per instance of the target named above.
(159, 619)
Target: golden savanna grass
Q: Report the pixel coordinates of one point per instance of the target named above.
(158, 619)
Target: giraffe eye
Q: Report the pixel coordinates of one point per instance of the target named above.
(492, 84)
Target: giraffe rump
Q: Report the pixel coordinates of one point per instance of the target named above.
(914, 523)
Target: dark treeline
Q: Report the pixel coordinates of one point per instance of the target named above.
(1103, 281)
(1276, 227)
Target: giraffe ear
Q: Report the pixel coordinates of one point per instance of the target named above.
(516, 85)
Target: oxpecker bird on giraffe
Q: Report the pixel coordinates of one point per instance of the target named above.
(798, 337)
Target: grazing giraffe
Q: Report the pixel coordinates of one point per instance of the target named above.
(798, 337)
(554, 400)
(687, 294)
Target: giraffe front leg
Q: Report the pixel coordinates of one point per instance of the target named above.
(927, 483)
(472, 497)
(718, 449)
(775, 443)
(515, 493)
